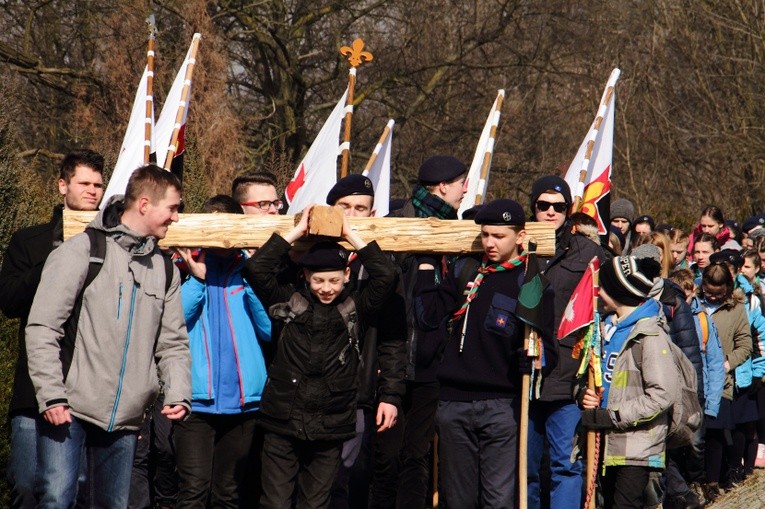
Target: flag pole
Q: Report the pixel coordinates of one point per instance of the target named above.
(608, 94)
(530, 339)
(149, 91)
(184, 101)
(593, 437)
(378, 147)
(486, 166)
(356, 56)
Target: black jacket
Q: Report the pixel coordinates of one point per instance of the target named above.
(383, 350)
(682, 327)
(484, 365)
(564, 271)
(309, 393)
(19, 277)
(424, 349)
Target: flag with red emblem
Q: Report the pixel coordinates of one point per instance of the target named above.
(589, 175)
(317, 172)
(580, 311)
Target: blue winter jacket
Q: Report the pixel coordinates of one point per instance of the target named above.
(682, 330)
(713, 358)
(757, 323)
(225, 321)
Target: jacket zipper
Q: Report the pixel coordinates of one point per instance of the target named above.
(231, 326)
(119, 303)
(124, 359)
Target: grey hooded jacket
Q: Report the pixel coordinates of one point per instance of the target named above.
(129, 330)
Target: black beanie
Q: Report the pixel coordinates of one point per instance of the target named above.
(629, 280)
(552, 183)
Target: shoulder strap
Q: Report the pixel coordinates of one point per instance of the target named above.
(168, 271)
(704, 325)
(347, 310)
(97, 254)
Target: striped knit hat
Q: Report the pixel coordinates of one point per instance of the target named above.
(629, 280)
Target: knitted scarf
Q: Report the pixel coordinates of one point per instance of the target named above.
(427, 204)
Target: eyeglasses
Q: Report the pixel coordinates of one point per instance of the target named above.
(264, 205)
(558, 207)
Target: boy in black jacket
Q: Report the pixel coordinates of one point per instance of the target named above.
(308, 406)
(480, 374)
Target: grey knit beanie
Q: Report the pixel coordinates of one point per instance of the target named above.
(623, 208)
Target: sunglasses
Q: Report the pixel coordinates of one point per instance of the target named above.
(558, 207)
(264, 205)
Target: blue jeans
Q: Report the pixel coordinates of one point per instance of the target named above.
(557, 422)
(20, 469)
(109, 457)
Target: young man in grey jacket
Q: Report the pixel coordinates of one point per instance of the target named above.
(93, 385)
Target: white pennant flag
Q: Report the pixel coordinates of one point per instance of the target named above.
(166, 120)
(379, 173)
(595, 190)
(485, 149)
(317, 172)
(131, 152)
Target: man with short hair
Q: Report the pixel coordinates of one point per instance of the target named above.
(402, 469)
(81, 185)
(95, 350)
(554, 416)
(256, 193)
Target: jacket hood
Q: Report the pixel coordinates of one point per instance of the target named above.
(109, 220)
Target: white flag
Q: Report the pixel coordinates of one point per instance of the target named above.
(317, 172)
(596, 188)
(166, 120)
(131, 152)
(485, 149)
(379, 174)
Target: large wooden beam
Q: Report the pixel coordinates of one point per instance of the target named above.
(403, 235)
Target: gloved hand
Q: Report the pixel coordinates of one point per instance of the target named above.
(525, 363)
(597, 419)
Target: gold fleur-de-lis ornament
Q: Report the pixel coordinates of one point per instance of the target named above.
(356, 54)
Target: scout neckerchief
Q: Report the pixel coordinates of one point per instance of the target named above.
(427, 204)
(483, 270)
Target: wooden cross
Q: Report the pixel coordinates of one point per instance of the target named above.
(393, 234)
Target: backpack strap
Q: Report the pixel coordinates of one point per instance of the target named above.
(347, 310)
(168, 271)
(287, 311)
(97, 240)
(96, 257)
(704, 325)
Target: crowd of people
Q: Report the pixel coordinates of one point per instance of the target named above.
(275, 378)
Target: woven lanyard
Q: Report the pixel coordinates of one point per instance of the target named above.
(483, 270)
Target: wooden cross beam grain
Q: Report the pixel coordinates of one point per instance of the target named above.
(394, 234)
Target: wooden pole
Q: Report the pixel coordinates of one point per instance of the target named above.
(171, 151)
(378, 147)
(604, 102)
(523, 428)
(486, 166)
(356, 56)
(149, 122)
(395, 234)
(592, 436)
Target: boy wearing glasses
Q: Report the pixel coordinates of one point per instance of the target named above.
(555, 414)
(256, 193)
